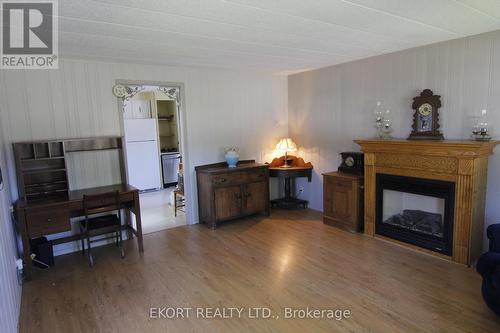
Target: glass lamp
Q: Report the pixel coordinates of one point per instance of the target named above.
(285, 145)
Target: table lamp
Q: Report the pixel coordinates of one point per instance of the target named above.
(286, 145)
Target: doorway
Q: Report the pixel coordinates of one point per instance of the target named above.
(152, 125)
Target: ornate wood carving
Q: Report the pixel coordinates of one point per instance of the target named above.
(430, 103)
(369, 225)
(466, 167)
(293, 161)
(369, 159)
(463, 162)
(442, 164)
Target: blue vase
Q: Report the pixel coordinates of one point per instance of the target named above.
(232, 158)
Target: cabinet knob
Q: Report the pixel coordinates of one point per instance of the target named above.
(362, 187)
(222, 180)
(49, 220)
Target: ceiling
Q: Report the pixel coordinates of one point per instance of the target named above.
(276, 35)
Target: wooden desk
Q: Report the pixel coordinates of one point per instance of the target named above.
(288, 173)
(40, 218)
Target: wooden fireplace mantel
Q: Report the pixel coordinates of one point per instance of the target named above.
(463, 162)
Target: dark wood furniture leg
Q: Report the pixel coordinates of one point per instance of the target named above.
(175, 204)
(287, 189)
(137, 212)
(179, 201)
(26, 245)
(128, 223)
(288, 201)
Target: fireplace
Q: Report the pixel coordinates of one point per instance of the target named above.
(445, 182)
(417, 211)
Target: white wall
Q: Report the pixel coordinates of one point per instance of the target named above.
(10, 291)
(222, 108)
(330, 107)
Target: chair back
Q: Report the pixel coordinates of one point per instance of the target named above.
(100, 203)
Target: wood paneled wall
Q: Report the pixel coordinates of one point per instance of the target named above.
(222, 108)
(330, 107)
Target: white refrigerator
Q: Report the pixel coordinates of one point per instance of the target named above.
(141, 146)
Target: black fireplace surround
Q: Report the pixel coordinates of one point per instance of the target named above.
(417, 227)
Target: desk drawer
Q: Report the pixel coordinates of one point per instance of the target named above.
(237, 178)
(47, 221)
(234, 178)
(258, 175)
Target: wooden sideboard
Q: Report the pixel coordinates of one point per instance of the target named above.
(227, 193)
(343, 200)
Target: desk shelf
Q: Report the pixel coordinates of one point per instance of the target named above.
(44, 170)
(41, 165)
(41, 169)
(44, 184)
(47, 197)
(44, 189)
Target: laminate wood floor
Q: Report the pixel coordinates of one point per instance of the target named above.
(289, 259)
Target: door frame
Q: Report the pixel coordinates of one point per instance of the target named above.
(188, 177)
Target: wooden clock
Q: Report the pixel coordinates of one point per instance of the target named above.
(426, 117)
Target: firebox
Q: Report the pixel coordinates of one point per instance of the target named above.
(417, 211)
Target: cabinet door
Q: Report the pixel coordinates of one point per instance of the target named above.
(141, 109)
(227, 202)
(127, 110)
(340, 200)
(256, 197)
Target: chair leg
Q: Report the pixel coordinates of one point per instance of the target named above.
(89, 254)
(175, 204)
(83, 243)
(122, 251)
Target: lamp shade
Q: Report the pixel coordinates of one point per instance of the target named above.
(286, 144)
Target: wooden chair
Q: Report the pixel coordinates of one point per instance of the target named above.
(102, 224)
(179, 201)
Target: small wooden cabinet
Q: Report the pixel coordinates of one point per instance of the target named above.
(343, 200)
(227, 193)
